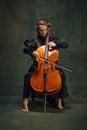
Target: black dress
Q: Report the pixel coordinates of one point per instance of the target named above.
(32, 45)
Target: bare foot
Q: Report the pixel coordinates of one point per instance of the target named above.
(59, 104)
(24, 110)
(60, 107)
(25, 105)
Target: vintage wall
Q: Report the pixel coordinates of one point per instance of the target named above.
(17, 23)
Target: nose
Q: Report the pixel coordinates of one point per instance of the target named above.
(44, 32)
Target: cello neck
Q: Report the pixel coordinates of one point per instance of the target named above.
(46, 48)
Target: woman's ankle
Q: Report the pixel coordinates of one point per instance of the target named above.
(25, 105)
(59, 104)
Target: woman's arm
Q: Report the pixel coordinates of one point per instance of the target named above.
(30, 46)
(59, 44)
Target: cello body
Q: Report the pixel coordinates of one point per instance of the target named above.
(53, 81)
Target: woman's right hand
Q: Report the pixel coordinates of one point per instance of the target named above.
(35, 53)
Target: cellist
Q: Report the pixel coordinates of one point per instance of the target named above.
(42, 28)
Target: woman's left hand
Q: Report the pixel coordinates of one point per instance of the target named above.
(51, 44)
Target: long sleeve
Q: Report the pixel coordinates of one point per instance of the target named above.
(30, 46)
(59, 44)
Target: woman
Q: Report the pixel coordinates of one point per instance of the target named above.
(43, 28)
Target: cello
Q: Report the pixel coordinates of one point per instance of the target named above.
(46, 80)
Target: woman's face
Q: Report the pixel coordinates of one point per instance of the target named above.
(43, 31)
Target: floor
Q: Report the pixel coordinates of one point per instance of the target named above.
(73, 117)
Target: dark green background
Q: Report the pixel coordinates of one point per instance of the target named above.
(17, 23)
